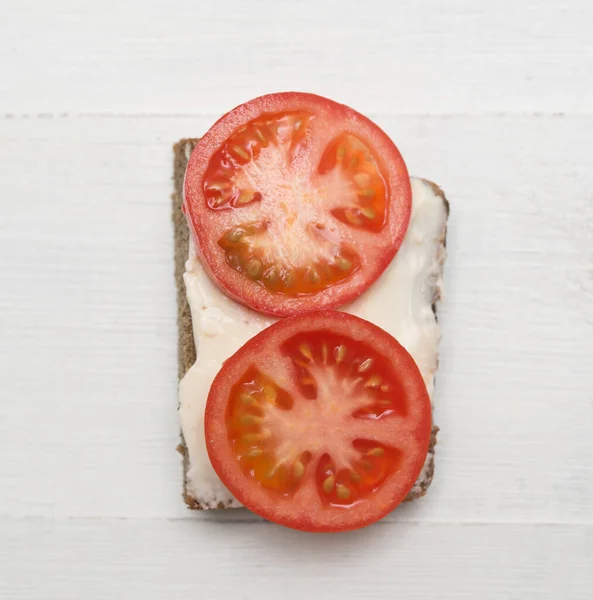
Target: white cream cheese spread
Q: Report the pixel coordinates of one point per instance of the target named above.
(400, 302)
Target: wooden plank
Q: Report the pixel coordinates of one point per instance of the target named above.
(87, 315)
(411, 57)
(89, 559)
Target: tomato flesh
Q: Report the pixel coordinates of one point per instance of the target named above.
(296, 203)
(321, 422)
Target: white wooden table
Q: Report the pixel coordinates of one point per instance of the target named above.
(493, 100)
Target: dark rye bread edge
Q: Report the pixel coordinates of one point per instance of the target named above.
(187, 349)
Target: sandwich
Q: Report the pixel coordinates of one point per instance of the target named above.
(308, 267)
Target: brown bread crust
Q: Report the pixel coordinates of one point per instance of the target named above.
(187, 349)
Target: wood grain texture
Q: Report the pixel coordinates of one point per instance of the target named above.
(494, 103)
(93, 559)
(411, 56)
(88, 317)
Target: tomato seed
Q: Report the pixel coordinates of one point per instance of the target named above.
(362, 178)
(245, 197)
(373, 381)
(376, 452)
(239, 151)
(352, 218)
(262, 138)
(298, 469)
(271, 275)
(254, 267)
(328, 484)
(217, 185)
(365, 364)
(342, 491)
(270, 393)
(247, 399)
(233, 259)
(305, 350)
(344, 264)
(235, 235)
(353, 163)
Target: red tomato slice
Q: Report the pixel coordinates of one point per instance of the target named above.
(297, 203)
(321, 422)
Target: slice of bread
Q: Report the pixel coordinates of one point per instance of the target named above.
(187, 352)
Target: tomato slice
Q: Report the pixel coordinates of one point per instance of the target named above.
(296, 203)
(321, 422)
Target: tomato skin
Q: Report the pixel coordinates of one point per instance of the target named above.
(376, 253)
(306, 512)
